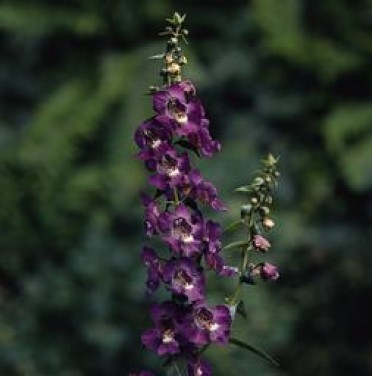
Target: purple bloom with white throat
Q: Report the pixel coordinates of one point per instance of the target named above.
(182, 231)
(170, 168)
(179, 109)
(151, 134)
(209, 324)
(154, 269)
(184, 278)
(164, 337)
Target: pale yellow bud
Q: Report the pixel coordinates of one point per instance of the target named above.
(174, 69)
(168, 58)
(268, 223)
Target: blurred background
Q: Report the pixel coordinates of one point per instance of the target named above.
(293, 77)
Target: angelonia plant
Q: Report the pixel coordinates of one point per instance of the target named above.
(188, 245)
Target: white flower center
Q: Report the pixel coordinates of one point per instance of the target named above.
(168, 166)
(168, 336)
(182, 229)
(156, 143)
(188, 286)
(172, 172)
(180, 117)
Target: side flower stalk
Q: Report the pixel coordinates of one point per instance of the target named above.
(185, 324)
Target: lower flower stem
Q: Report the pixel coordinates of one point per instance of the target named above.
(245, 256)
(176, 198)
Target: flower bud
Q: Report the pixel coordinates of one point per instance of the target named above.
(258, 181)
(254, 200)
(174, 69)
(269, 272)
(245, 210)
(173, 41)
(168, 58)
(183, 60)
(269, 200)
(265, 210)
(268, 223)
(261, 243)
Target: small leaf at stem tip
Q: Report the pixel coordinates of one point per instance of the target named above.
(157, 57)
(244, 189)
(177, 18)
(270, 160)
(237, 244)
(263, 354)
(233, 226)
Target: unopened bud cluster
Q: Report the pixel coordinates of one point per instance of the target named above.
(173, 57)
(255, 216)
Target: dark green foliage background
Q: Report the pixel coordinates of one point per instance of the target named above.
(289, 76)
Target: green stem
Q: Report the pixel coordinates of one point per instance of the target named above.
(176, 198)
(245, 256)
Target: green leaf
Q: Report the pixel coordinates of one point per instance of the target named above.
(263, 354)
(156, 57)
(237, 244)
(233, 226)
(244, 189)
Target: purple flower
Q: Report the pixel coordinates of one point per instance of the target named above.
(205, 192)
(181, 112)
(184, 278)
(198, 367)
(269, 272)
(164, 337)
(203, 141)
(151, 134)
(169, 166)
(212, 245)
(151, 215)
(212, 249)
(178, 109)
(261, 243)
(208, 325)
(154, 268)
(182, 231)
